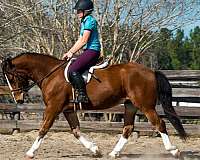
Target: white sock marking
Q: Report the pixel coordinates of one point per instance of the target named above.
(166, 141)
(89, 145)
(34, 147)
(119, 146)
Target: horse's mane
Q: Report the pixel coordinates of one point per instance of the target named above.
(34, 54)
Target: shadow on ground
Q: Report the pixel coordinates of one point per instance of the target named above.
(185, 155)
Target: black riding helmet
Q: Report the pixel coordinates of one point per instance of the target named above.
(84, 5)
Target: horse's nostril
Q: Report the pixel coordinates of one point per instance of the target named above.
(20, 101)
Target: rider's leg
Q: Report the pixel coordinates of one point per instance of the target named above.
(87, 59)
(78, 83)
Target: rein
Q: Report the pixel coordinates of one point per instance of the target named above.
(25, 89)
(53, 70)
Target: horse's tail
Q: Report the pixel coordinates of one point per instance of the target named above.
(164, 90)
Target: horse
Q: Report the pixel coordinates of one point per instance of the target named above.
(140, 86)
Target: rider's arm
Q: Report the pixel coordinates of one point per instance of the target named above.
(79, 44)
(81, 41)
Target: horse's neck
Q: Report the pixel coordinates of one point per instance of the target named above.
(37, 67)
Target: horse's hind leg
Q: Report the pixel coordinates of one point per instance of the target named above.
(129, 117)
(73, 121)
(156, 121)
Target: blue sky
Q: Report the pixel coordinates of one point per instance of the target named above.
(188, 28)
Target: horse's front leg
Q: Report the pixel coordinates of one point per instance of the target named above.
(50, 115)
(73, 121)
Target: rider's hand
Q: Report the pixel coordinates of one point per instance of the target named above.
(67, 55)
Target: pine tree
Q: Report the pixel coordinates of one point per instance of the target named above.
(162, 49)
(195, 42)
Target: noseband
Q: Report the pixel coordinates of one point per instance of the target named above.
(23, 89)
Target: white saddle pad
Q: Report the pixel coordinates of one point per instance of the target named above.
(87, 74)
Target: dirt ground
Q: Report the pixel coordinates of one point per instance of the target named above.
(63, 146)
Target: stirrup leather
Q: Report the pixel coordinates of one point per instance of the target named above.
(77, 104)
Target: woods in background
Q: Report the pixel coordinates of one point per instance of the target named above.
(131, 30)
(177, 51)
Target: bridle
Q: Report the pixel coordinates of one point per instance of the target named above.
(27, 88)
(24, 89)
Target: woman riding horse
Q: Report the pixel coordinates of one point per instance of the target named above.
(89, 40)
(142, 86)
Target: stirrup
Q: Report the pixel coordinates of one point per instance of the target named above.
(74, 101)
(78, 99)
(82, 98)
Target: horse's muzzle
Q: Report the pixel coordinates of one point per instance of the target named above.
(19, 98)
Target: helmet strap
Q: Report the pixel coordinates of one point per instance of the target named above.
(85, 13)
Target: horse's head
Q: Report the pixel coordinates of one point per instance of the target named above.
(17, 81)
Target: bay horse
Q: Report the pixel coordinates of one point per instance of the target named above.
(135, 82)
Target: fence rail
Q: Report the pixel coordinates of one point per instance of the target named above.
(143, 128)
(185, 85)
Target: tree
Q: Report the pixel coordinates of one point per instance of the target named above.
(128, 28)
(132, 26)
(195, 42)
(187, 54)
(177, 44)
(36, 26)
(162, 50)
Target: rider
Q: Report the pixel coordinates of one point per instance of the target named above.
(89, 41)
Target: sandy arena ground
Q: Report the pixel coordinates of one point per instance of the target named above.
(63, 146)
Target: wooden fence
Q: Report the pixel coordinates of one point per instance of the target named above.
(186, 88)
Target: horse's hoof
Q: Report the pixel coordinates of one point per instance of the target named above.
(98, 154)
(176, 153)
(28, 158)
(114, 154)
(29, 155)
(171, 148)
(94, 149)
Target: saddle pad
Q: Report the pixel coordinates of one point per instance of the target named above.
(87, 74)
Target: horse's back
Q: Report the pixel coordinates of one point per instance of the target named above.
(128, 75)
(131, 69)
(137, 81)
(140, 70)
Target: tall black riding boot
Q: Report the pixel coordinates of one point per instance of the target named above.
(79, 85)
